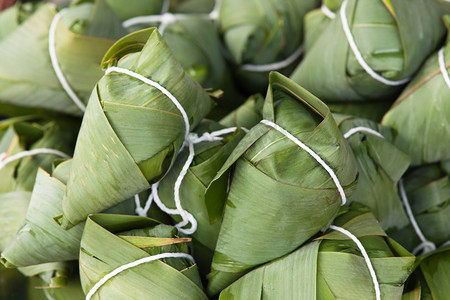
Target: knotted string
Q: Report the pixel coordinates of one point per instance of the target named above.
(6, 160)
(366, 258)
(426, 245)
(133, 264)
(55, 63)
(189, 140)
(186, 216)
(358, 55)
(312, 153)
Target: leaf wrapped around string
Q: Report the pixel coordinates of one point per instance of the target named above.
(421, 115)
(21, 136)
(131, 132)
(261, 32)
(111, 241)
(40, 239)
(279, 195)
(428, 193)
(83, 34)
(380, 166)
(209, 158)
(393, 37)
(332, 267)
(432, 277)
(247, 115)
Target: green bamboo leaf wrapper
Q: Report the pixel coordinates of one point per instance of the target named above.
(131, 132)
(21, 136)
(39, 239)
(54, 274)
(279, 195)
(13, 208)
(195, 43)
(192, 6)
(260, 32)
(83, 35)
(133, 8)
(431, 278)
(104, 248)
(12, 17)
(428, 192)
(394, 37)
(331, 267)
(380, 166)
(435, 268)
(421, 115)
(209, 158)
(246, 115)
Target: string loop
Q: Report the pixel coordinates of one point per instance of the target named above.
(366, 258)
(358, 55)
(6, 160)
(312, 153)
(56, 67)
(133, 264)
(426, 245)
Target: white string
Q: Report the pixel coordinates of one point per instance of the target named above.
(4, 161)
(358, 54)
(274, 66)
(189, 139)
(159, 87)
(362, 129)
(133, 264)
(55, 63)
(426, 245)
(142, 211)
(327, 12)
(443, 67)
(313, 154)
(186, 216)
(165, 7)
(366, 258)
(167, 18)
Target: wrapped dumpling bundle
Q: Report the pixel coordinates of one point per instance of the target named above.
(370, 49)
(421, 115)
(332, 267)
(132, 131)
(259, 34)
(209, 158)
(426, 191)
(113, 241)
(80, 36)
(279, 194)
(380, 166)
